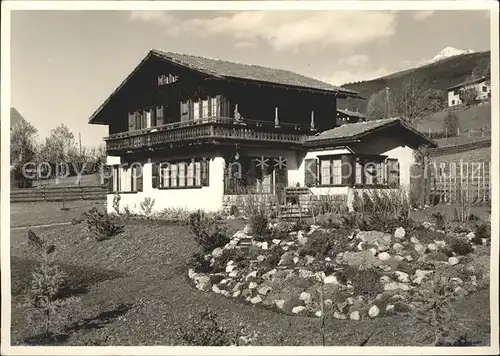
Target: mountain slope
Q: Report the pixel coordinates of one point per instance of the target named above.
(439, 75)
(446, 53)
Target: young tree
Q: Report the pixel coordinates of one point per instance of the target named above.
(22, 150)
(435, 100)
(380, 105)
(60, 146)
(468, 96)
(451, 124)
(410, 99)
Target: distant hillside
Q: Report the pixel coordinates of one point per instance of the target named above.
(438, 75)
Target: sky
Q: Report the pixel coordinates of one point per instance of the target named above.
(64, 64)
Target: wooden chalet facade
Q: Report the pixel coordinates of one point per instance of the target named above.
(193, 132)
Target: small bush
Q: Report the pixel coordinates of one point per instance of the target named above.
(116, 203)
(101, 225)
(364, 282)
(483, 231)
(273, 257)
(235, 254)
(175, 215)
(207, 231)
(301, 225)
(200, 264)
(206, 331)
(461, 248)
(439, 220)
(234, 211)
(147, 206)
(259, 223)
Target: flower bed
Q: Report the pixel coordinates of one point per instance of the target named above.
(342, 273)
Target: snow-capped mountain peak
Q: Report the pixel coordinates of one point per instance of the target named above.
(446, 53)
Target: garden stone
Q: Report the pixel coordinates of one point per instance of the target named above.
(280, 303)
(309, 259)
(328, 302)
(339, 316)
(328, 259)
(250, 275)
(373, 251)
(236, 294)
(375, 238)
(290, 243)
(306, 297)
(361, 246)
(261, 258)
(276, 241)
(302, 239)
(285, 248)
(332, 279)
(398, 258)
(318, 314)
(389, 308)
(202, 282)
(306, 274)
(230, 268)
(409, 258)
(420, 248)
(256, 300)
(257, 243)
(252, 285)
(402, 276)
(349, 301)
(265, 246)
(245, 293)
(286, 258)
(312, 229)
(191, 273)
(237, 286)
(414, 240)
(295, 259)
(399, 233)
(362, 258)
(397, 247)
(264, 289)
(440, 243)
(396, 286)
(233, 274)
(421, 275)
(217, 252)
(248, 299)
(248, 229)
(384, 256)
(354, 315)
(374, 311)
(452, 261)
(224, 281)
(385, 268)
(269, 275)
(470, 236)
(432, 247)
(298, 309)
(216, 289)
(427, 224)
(239, 235)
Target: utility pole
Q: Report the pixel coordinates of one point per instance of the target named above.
(386, 102)
(80, 142)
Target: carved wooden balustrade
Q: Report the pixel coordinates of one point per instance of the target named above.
(206, 129)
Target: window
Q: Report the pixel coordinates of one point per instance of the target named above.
(126, 178)
(196, 110)
(204, 108)
(181, 174)
(453, 102)
(214, 107)
(485, 89)
(331, 171)
(456, 92)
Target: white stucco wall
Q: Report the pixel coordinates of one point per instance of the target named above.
(206, 198)
(454, 99)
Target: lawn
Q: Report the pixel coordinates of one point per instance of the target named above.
(133, 290)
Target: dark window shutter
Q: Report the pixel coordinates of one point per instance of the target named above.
(160, 120)
(392, 172)
(204, 172)
(131, 121)
(139, 173)
(311, 172)
(347, 167)
(155, 179)
(153, 117)
(138, 120)
(110, 169)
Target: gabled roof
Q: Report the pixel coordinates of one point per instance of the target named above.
(239, 72)
(468, 82)
(352, 132)
(352, 113)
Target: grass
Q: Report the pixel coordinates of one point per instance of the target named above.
(42, 213)
(88, 179)
(137, 293)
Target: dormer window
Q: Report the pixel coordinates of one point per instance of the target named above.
(166, 79)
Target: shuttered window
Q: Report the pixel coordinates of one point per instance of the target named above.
(182, 174)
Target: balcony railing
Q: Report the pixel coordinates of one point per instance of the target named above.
(212, 128)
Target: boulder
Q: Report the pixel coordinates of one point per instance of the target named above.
(421, 275)
(248, 229)
(217, 252)
(239, 235)
(384, 256)
(261, 258)
(355, 315)
(362, 258)
(414, 240)
(252, 274)
(373, 250)
(420, 248)
(246, 293)
(296, 259)
(230, 268)
(409, 258)
(233, 274)
(264, 289)
(302, 239)
(280, 303)
(265, 245)
(318, 314)
(432, 247)
(269, 274)
(216, 289)
(309, 259)
(398, 248)
(276, 241)
(202, 282)
(399, 233)
(236, 294)
(396, 286)
(191, 273)
(286, 258)
(306, 297)
(452, 261)
(320, 276)
(374, 311)
(332, 279)
(306, 274)
(440, 243)
(470, 236)
(398, 258)
(298, 309)
(402, 276)
(389, 308)
(256, 300)
(340, 316)
(375, 238)
(252, 285)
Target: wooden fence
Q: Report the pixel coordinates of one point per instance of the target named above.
(55, 193)
(450, 182)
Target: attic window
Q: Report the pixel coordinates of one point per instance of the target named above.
(165, 79)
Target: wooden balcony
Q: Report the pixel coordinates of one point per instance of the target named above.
(207, 130)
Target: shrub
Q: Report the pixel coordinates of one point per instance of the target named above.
(116, 203)
(273, 257)
(175, 215)
(483, 231)
(47, 284)
(234, 254)
(234, 211)
(439, 220)
(461, 247)
(364, 282)
(301, 225)
(200, 264)
(259, 223)
(101, 225)
(147, 206)
(207, 231)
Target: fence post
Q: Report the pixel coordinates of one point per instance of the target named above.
(81, 191)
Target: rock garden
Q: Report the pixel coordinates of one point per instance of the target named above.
(349, 266)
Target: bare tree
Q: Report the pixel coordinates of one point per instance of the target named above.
(380, 105)
(468, 96)
(451, 124)
(410, 99)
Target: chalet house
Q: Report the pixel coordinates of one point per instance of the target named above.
(345, 116)
(194, 132)
(482, 86)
